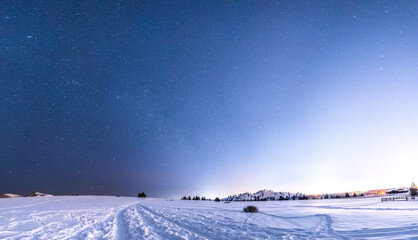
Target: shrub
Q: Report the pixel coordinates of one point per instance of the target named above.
(304, 197)
(251, 209)
(142, 195)
(217, 199)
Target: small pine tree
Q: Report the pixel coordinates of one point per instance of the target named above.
(355, 195)
(347, 195)
(190, 198)
(217, 199)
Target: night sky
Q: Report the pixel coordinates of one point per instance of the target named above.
(207, 97)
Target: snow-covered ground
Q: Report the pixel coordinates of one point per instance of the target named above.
(99, 217)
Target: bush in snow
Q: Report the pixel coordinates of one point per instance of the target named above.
(251, 209)
(217, 199)
(142, 195)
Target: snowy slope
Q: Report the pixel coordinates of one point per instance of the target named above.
(264, 195)
(99, 217)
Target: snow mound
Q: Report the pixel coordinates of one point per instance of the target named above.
(9, 195)
(38, 194)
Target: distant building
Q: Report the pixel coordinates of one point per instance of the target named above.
(413, 190)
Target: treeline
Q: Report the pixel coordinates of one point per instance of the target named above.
(346, 195)
(197, 198)
(281, 198)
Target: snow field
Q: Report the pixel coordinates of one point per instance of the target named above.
(108, 217)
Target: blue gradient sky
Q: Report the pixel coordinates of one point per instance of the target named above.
(208, 97)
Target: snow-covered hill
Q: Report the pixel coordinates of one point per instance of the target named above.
(38, 194)
(100, 217)
(265, 195)
(9, 195)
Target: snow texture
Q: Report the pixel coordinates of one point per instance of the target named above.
(106, 217)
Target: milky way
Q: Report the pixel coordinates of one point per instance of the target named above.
(207, 97)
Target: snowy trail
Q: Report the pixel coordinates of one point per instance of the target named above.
(94, 217)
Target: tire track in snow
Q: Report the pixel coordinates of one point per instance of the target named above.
(227, 228)
(122, 231)
(165, 227)
(110, 226)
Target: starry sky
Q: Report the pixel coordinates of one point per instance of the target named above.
(207, 97)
